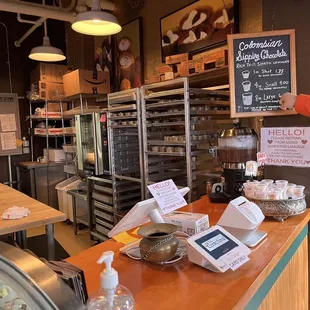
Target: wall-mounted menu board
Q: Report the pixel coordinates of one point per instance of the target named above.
(10, 134)
(262, 67)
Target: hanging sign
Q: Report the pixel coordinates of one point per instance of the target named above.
(262, 67)
(287, 146)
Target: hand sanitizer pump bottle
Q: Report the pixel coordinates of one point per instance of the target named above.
(111, 295)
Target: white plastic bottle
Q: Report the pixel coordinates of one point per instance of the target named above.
(111, 295)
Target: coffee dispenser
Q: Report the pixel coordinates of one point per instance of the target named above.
(236, 146)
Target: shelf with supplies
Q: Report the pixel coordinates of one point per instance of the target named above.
(178, 146)
(52, 118)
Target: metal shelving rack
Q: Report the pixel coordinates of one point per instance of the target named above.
(179, 124)
(47, 136)
(125, 139)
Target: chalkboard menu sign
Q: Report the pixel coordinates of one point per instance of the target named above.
(262, 67)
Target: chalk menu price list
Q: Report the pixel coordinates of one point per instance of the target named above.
(261, 72)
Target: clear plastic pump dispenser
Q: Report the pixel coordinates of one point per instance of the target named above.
(111, 295)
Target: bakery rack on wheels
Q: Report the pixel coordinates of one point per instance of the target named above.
(180, 124)
(124, 130)
(112, 196)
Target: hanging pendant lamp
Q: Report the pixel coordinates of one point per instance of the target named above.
(46, 52)
(96, 22)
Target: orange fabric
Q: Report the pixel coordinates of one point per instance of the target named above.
(302, 105)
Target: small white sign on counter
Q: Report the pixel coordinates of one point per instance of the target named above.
(167, 195)
(234, 259)
(286, 146)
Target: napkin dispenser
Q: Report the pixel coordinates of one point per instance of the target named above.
(242, 219)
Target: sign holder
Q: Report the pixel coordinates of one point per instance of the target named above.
(246, 88)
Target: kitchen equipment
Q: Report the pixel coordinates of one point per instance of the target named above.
(158, 243)
(92, 143)
(236, 146)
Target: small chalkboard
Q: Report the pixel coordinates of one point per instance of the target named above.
(262, 67)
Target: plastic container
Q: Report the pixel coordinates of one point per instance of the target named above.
(111, 295)
(64, 199)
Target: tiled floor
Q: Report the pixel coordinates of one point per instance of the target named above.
(64, 234)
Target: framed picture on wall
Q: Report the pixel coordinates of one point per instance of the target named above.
(103, 60)
(129, 56)
(198, 26)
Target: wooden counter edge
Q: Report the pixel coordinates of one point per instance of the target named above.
(257, 284)
(33, 224)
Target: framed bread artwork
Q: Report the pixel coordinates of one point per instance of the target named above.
(103, 58)
(129, 56)
(199, 26)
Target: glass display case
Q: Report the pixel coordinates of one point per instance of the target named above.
(92, 143)
(27, 283)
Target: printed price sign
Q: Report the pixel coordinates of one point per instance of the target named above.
(167, 196)
(288, 146)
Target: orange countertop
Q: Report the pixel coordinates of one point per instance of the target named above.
(189, 286)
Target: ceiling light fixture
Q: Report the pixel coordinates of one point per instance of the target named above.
(46, 52)
(96, 22)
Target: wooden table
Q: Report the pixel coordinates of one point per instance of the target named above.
(40, 214)
(276, 277)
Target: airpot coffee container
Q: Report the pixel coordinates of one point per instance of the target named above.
(236, 146)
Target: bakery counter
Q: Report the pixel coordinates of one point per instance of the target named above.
(276, 277)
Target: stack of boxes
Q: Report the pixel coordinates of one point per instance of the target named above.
(185, 65)
(47, 81)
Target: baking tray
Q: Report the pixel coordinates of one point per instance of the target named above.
(103, 206)
(167, 114)
(103, 198)
(104, 223)
(104, 215)
(121, 108)
(102, 230)
(103, 189)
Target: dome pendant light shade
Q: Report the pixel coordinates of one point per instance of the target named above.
(96, 22)
(46, 52)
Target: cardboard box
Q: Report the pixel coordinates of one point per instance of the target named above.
(169, 76)
(51, 131)
(163, 69)
(175, 59)
(51, 73)
(214, 58)
(54, 107)
(154, 79)
(86, 82)
(187, 222)
(56, 155)
(51, 91)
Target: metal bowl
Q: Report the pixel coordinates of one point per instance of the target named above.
(158, 243)
(281, 209)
